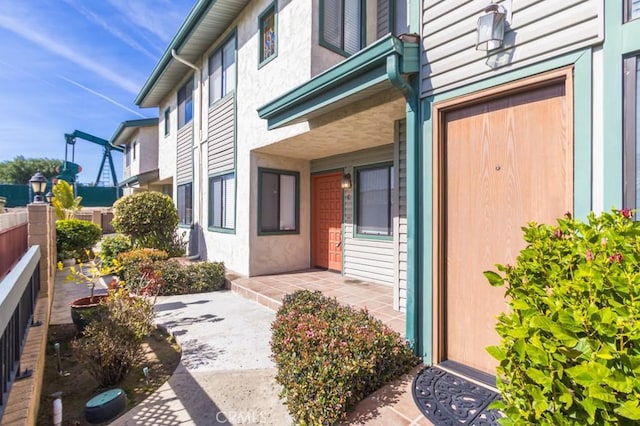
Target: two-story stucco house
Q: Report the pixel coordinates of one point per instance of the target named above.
(140, 170)
(285, 124)
(315, 134)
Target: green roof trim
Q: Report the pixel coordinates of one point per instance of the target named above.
(199, 10)
(365, 69)
(145, 177)
(143, 122)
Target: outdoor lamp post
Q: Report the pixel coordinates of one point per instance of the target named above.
(49, 197)
(490, 28)
(38, 185)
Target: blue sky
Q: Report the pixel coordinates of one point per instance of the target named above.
(77, 64)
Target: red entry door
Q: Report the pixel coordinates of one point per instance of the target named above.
(326, 205)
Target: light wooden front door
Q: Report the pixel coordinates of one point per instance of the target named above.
(508, 161)
(326, 238)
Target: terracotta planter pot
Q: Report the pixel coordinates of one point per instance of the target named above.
(83, 309)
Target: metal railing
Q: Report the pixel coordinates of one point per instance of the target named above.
(18, 295)
(13, 244)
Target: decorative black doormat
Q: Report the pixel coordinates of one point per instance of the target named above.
(446, 399)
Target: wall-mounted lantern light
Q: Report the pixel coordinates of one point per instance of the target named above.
(38, 185)
(346, 181)
(490, 28)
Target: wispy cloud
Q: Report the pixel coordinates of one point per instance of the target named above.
(112, 29)
(102, 96)
(160, 17)
(49, 43)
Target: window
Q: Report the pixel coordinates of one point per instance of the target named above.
(341, 25)
(632, 10)
(277, 201)
(135, 145)
(167, 121)
(185, 204)
(374, 187)
(127, 155)
(222, 210)
(222, 71)
(268, 37)
(185, 103)
(631, 132)
(400, 18)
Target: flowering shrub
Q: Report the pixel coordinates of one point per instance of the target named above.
(330, 356)
(135, 263)
(111, 343)
(570, 344)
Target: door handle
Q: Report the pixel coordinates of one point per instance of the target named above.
(339, 243)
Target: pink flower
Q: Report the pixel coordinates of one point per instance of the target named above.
(310, 333)
(590, 256)
(548, 290)
(603, 242)
(616, 258)
(627, 213)
(557, 233)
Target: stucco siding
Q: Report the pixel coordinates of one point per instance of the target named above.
(535, 30)
(184, 172)
(221, 135)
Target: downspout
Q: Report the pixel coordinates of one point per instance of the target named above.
(414, 323)
(196, 147)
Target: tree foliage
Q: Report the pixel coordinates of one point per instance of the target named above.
(64, 202)
(20, 169)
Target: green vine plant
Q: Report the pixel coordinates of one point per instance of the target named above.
(570, 341)
(64, 201)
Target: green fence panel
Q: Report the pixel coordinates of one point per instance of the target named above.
(16, 195)
(98, 196)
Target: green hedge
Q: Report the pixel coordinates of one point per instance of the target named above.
(330, 356)
(75, 237)
(200, 277)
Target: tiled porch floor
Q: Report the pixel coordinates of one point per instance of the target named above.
(269, 290)
(391, 405)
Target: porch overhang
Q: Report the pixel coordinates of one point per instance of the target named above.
(140, 179)
(385, 64)
(126, 129)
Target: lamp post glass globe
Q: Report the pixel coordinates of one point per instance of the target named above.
(38, 185)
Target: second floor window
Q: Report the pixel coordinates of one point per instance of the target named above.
(222, 71)
(167, 121)
(341, 25)
(268, 37)
(632, 10)
(185, 103)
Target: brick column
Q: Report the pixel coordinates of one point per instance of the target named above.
(42, 232)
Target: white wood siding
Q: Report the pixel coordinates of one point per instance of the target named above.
(363, 258)
(536, 30)
(184, 158)
(402, 214)
(221, 136)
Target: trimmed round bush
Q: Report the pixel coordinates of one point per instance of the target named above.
(330, 356)
(150, 219)
(75, 237)
(570, 340)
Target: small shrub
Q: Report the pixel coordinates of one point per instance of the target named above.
(150, 219)
(135, 263)
(199, 277)
(112, 246)
(570, 343)
(330, 356)
(76, 237)
(111, 345)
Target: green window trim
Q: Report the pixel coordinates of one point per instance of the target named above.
(167, 121)
(631, 131)
(276, 174)
(357, 232)
(184, 204)
(268, 49)
(227, 217)
(224, 59)
(338, 46)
